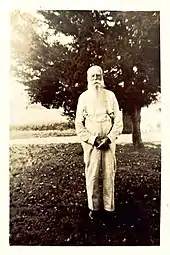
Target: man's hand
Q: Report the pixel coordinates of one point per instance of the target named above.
(97, 141)
(104, 145)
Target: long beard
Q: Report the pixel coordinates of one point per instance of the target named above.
(96, 92)
(97, 97)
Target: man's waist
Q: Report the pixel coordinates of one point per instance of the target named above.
(98, 118)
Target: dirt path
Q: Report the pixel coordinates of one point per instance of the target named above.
(125, 138)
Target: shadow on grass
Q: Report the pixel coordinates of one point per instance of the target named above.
(48, 202)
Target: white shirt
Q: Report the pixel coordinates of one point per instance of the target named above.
(98, 115)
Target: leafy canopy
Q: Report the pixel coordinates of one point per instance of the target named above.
(125, 44)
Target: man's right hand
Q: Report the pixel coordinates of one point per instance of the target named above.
(97, 141)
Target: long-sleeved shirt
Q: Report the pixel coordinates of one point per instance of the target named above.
(98, 116)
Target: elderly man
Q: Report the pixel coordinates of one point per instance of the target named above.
(98, 124)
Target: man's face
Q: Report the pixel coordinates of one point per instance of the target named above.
(95, 78)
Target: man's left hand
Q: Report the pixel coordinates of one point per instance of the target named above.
(104, 145)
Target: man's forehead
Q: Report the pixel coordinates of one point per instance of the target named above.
(94, 70)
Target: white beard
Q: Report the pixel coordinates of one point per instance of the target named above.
(96, 95)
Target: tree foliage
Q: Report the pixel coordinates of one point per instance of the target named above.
(125, 44)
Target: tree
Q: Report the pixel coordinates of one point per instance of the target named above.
(124, 44)
(127, 123)
(139, 64)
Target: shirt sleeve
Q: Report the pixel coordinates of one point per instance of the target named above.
(117, 127)
(81, 130)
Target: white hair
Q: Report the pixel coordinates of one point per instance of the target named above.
(94, 68)
(90, 71)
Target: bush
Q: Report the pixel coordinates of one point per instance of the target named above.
(42, 127)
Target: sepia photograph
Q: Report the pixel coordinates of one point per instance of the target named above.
(85, 128)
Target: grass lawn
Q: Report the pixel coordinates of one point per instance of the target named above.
(48, 202)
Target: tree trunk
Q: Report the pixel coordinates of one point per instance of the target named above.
(136, 132)
(127, 123)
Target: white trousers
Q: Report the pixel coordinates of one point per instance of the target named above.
(96, 160)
